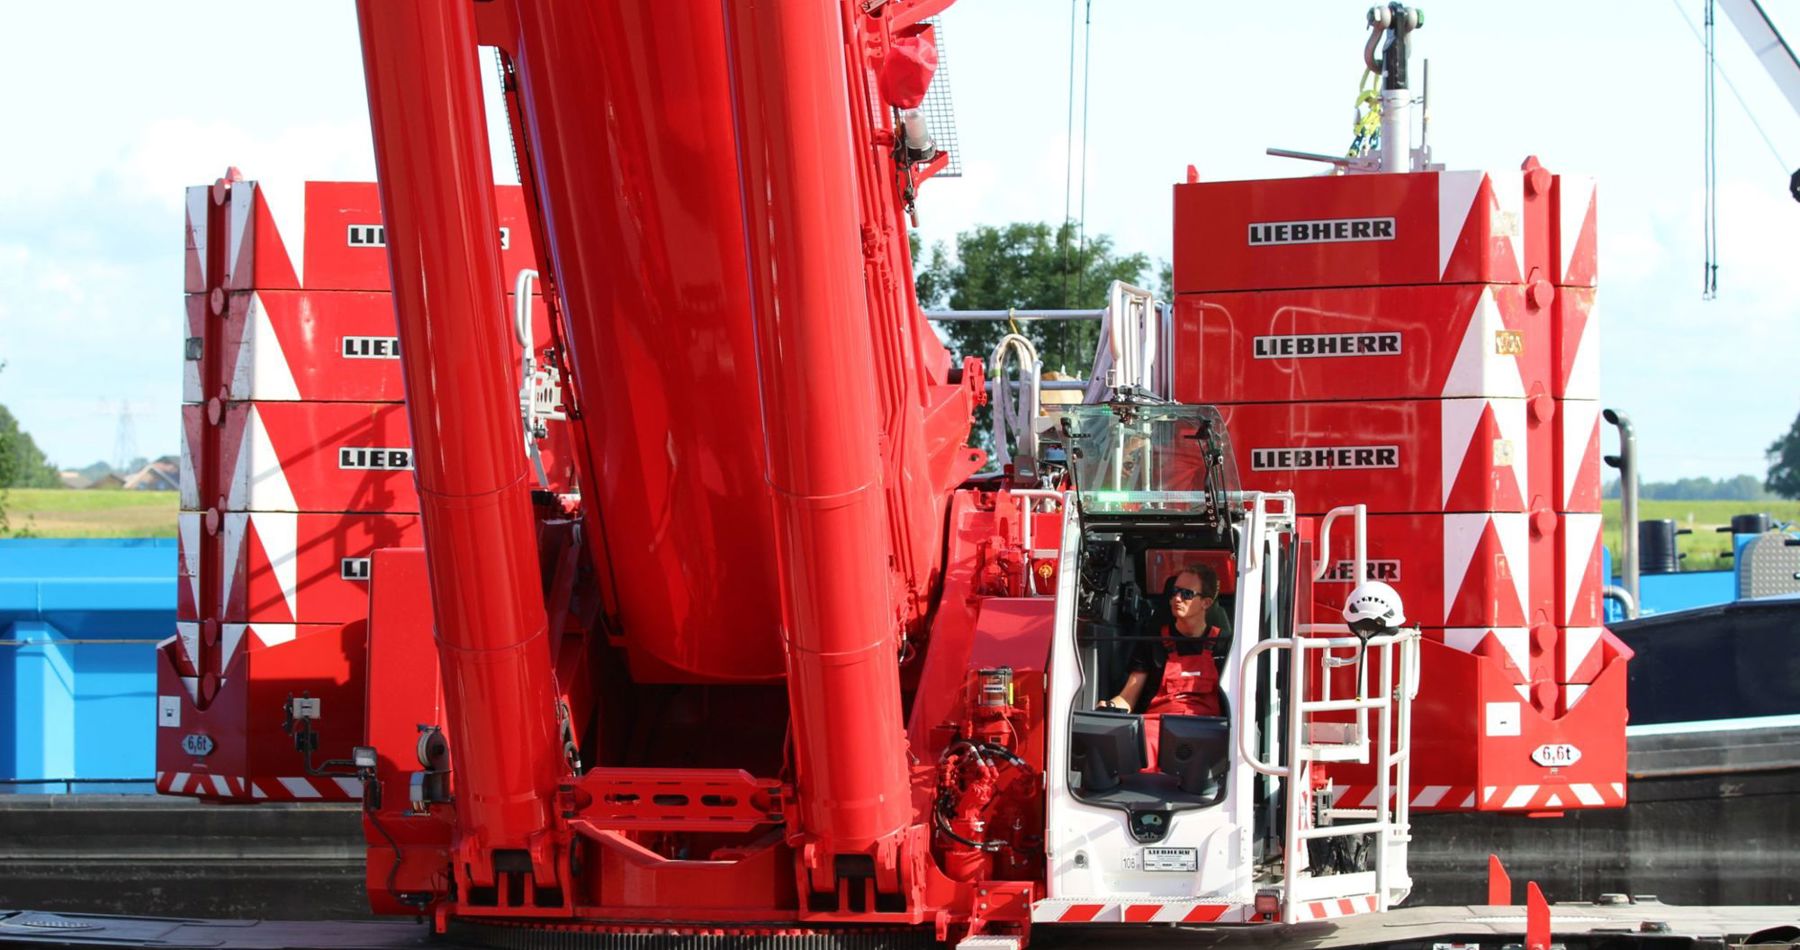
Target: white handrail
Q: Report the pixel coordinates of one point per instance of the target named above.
(1247, 700)
(1360, 517)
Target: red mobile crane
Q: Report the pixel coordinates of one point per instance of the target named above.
(760, 650)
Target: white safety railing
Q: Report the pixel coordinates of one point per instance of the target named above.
(1390, 698)
(1133, 351)
(1126, 360)
(1313, 653)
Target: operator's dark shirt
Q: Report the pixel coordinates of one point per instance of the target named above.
(1150, 655)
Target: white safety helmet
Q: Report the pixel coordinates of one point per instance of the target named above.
(1373, 602)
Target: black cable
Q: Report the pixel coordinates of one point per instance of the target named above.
(943, 825)
(1732, 87)
(1068, 161)
(1710, 286)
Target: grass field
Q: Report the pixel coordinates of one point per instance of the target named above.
(64, 513)
(1704, 547)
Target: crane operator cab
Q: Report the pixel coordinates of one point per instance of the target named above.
(1170, 724)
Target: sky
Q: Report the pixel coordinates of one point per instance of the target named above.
(108, 123)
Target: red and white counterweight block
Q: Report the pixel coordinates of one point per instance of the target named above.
(1580, 586)
(316, 346)
(288, 567)
(1425, 455)
(320, 235)
(1452, 570)
(1583, 654)
(1576, 261)
(301, 456)
(1575, 339)
(221, 735)
(1425, 341)
(1578, 455)
(1490, 748)
(1354, 231)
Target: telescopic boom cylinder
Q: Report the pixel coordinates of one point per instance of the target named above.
(437, 198)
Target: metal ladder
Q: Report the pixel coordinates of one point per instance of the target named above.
(1320, 648)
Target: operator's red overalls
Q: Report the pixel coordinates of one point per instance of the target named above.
(1190, 687)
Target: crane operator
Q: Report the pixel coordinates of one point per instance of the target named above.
(1189, 654)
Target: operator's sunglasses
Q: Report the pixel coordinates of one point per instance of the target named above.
(1186, 593)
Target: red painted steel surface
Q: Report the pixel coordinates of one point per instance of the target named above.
(1472, 569)
(320, 235)
(1575, 202)
(647, 254)
(252, 759)
(286, 567)
(1350, 231)
(312, 346)
(436, 188)
(307, 456)
(1474, 736)
(1578, 455)
(819, 407)
(398, 701)
(1408, 455)
(1576, 337)
(1459, 340)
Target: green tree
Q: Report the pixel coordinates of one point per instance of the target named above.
(22, 463)
(1784, 463)
(1026, 266)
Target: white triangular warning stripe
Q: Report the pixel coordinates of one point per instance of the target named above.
(1514, 531)
(1579, 419)
(231, 635)
(273, 634)
(1462, 533)
(1481, 367)
(1509, 418)
(1456, 195)
(1580, 533)
(235, 526)
(239, 222)
(199, 199)
(1584, 371)
(258, 481)
(262, 371)
(279, 533)
(1509, 213)
(190, 481)
(188, 632)
(1577, 644)
(286, 202)
(1577, 195)
(1458, 420)
(187, 524)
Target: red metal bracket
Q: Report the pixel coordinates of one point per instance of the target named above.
(1499, 884)
(670, 800)
(1537, 918)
